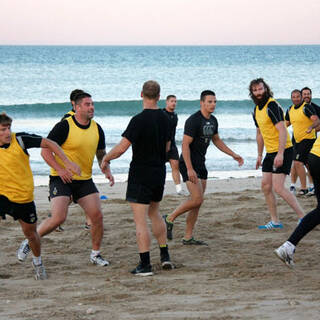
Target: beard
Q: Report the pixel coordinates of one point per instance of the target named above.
(261, 99)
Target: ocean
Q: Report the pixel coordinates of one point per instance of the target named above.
(36, 82)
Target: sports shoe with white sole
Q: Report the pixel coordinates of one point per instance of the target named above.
(142, 271)
(285, 254)
(98, 260)
(23, 250)
(40, 272)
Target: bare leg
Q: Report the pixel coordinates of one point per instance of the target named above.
(301, 171)
(278, 181)
(158, 224)
(91, 206)
(175, 171)
(266, 186)
(30, 232)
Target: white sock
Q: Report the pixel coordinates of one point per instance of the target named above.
(293, 185)
(178, 188)
(276, 223)
(94, 253)
(37, 260)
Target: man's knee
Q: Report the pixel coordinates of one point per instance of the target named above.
(96, 217)
(266, 186)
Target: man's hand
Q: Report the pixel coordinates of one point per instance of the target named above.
(73, 167)
(278, 160)
(192, 175)
(258, 162)
(65, 175)
(239, 159)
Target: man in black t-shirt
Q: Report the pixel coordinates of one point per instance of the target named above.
(200, 129)
(173, 154)
(149, 135)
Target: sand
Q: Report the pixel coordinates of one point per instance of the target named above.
(236, 277)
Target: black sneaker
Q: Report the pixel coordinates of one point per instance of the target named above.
(193, 241)
(169, 226)
(166, 263)
(142, 271)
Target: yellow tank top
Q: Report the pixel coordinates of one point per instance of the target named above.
(316, 147)
(80, 147)
(300, 123)
(268, 130)
(16, 180)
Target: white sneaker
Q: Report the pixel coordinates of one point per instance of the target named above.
(40, 272)
(98, 260)
(23, 250)
(285, 254)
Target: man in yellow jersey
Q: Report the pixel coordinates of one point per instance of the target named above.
(273, 135)
(149, 134)
(16, 183)
(73, 95)
(312, 219)
(82, 139)
(301, 116)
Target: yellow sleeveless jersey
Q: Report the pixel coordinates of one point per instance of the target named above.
(80, 147)
(268, 130)
(16, 180)
(316, 148)
(300, 123)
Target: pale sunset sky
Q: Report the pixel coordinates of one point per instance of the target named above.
(163, 22)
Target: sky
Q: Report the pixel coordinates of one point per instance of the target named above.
(162, 22)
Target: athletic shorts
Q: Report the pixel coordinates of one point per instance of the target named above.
(302, 149)
(173, 153)
(201, 171)
(77, 188)
(19, 211)
(267, 164)
(140, 193)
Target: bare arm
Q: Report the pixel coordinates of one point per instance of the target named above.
(51, 148)
(315, 125)
(186, 141)
(260, 146)
(278, 160)
(224, 148)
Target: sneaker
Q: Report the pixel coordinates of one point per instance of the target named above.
(193, 241)
(284, 255)
(293, 189)
(169, 226)
(98, 260)
(311, 192)
(87, 226)
(182, 193)
(270, 225)
(142, 271)
(23, 250)
(166, 263)
(40, 272)
(59, 229)
(303, 192)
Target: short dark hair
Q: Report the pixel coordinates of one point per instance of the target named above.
(74, 93)
(5, 119)
(254, 82)
(151, 89)
(170, 96)
(306, 88)
(80, 96)
(206, 93)
(295, 91)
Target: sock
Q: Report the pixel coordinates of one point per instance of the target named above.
(178, 188)
(37, 260)
(293, 185)
(145, 258)
(276, 223)
(94, 253)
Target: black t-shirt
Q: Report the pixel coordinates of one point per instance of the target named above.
(60, 132)
(274, 111)
(26, 141)
(201, 130)
(173, 125)
(148, 132)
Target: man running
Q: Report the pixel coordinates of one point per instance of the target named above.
(273, 134)
(301, 116)
(81, 138)
(173, 155)
(200, 129)
(149, 134)
(16, 183)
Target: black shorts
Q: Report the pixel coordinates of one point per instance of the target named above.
(302, 149)
(173, 153)
(200, 169)
(77, 188)
(267, 164)
(140, 193)
(19, 211)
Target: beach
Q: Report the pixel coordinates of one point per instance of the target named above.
(236, 277)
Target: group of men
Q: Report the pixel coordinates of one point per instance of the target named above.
(151, 134)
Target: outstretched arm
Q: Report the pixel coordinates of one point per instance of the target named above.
(260, 146)
(224, 148)
(51, 148)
